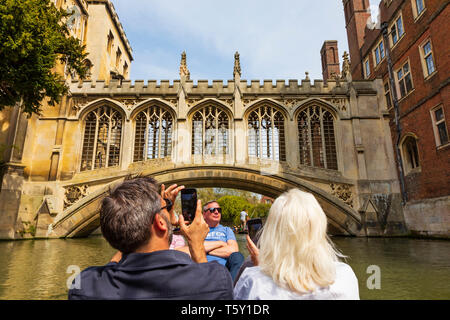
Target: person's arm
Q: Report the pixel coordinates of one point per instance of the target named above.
(195, 234)
(225, 251)
(209, 246)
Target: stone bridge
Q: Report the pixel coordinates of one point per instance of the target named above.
(81, 219)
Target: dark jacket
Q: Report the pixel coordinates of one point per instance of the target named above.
(165, 274)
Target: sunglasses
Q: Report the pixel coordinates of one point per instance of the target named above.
(211, 210)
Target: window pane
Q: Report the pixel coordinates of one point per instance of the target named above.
(408, 83)
(430, 64)
(406, 68)
(420, 6)
(402, 88)
(382, 49)
(399, 26)
(394, 35)
(439, 114)
(377, 55)
(442, 132)
(427, 48)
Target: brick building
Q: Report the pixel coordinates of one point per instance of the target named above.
(416, 41)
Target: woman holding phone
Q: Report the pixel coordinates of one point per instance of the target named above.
(296, 259)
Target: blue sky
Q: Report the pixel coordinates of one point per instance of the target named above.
(276, 39)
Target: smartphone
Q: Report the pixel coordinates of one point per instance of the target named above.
(188, 203)
(253, 226)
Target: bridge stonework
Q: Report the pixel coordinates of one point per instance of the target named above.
(353, 177)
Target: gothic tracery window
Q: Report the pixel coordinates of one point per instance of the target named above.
(316, 137)
(153, 134)
(102, 138)
(266, 134)
(210, 131)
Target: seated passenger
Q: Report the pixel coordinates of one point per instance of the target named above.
(296, 259)
(220, 243)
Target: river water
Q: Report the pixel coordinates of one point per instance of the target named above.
(408, 268)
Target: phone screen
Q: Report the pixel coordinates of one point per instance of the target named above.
(188, 203)
(254, 225)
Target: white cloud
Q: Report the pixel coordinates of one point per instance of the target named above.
(276, 40)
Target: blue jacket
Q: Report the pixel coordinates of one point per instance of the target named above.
(165, 274)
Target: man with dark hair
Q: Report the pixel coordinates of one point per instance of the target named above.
(220, 243)
(137, 220)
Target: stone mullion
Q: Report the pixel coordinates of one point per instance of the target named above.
(108, 141)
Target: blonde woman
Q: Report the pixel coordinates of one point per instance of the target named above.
(296, 259)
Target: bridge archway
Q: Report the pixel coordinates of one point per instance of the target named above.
(82, 218)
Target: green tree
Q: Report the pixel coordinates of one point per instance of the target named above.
(232, 207)
(259, 210)
(33, 37)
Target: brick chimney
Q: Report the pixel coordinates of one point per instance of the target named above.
(356, 16)
(330, 59)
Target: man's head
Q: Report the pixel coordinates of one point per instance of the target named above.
(127, 214)
(212, 213)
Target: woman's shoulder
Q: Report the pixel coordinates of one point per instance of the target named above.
(346, 283)
(343, 269)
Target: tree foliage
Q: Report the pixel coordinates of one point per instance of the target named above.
(33, 37)
(232, 207)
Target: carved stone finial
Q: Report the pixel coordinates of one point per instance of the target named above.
(345, 66)
(307, 75)
(183, 67)
(237, 65)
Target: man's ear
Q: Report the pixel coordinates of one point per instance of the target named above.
(159, 223)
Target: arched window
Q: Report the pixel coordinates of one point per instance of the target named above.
(153, 135)
(317, 138)
(410, 154)
(266, 134)
(102, 138)
(210, 131)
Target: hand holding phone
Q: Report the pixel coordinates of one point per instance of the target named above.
(195, 234)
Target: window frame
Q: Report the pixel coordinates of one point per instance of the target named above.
(258, 146)
(394, 25)
(435, 123)
(366, 68)
(382, 53)
(389, 105)
(329, 147)
(397, 80)
(416, 14)
(95, 140)
(423, 59)
(407, 165)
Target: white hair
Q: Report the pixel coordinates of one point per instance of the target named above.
(294, 247)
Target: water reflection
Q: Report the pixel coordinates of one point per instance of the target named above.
(410, 269)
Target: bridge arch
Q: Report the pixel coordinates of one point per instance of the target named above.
(83, 217)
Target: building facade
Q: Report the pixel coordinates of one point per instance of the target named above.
(417, 92)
